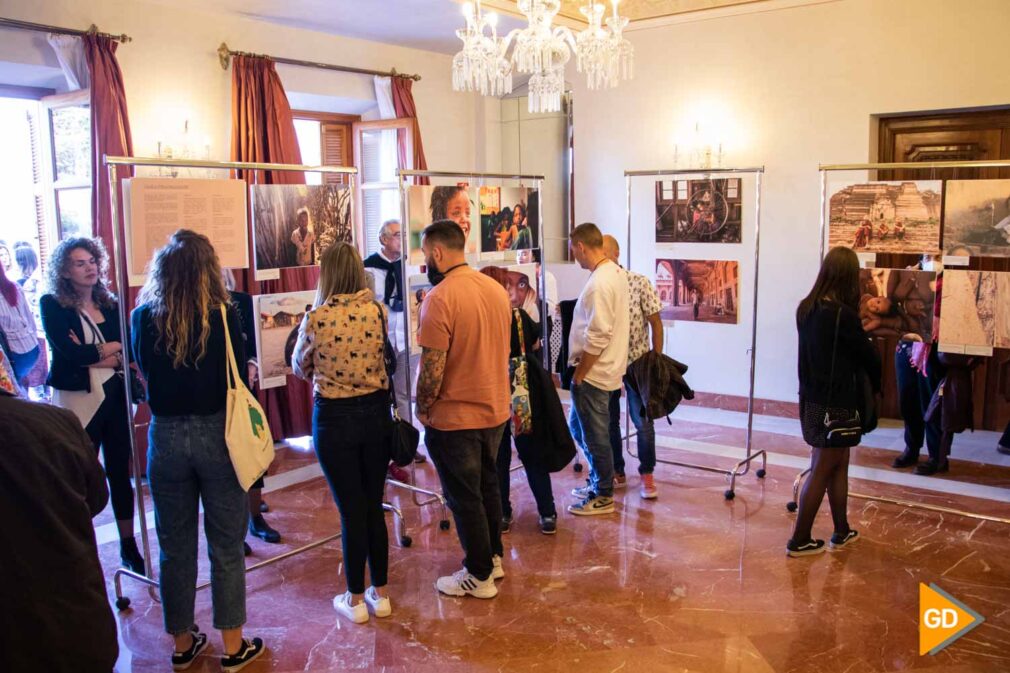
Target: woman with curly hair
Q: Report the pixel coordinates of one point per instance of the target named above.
(179, 341)
(80, 317)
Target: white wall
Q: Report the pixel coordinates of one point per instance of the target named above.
(787, 89)
(172, 74)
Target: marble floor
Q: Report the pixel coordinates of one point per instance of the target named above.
(688, 582)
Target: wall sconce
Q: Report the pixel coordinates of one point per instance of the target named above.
(702, 149)
(184, 148)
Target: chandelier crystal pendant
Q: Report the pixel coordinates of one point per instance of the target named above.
(541, 50)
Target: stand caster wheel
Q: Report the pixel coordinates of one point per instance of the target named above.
(122, 603)
(761, 474)
(443, 524)
(406, 541)
(578, 467)
(729, 494)
(791, 506)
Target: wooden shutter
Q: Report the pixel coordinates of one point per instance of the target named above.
(37, 179)
(336, 149)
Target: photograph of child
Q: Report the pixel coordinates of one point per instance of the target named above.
(885, 216)
(293, 224)
(699, 211)
(509, 218)
(897, 302)
(427, 204)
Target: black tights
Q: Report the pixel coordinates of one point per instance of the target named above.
(829, 472)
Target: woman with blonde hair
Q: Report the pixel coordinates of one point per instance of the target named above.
(179, 345)
(80, 317)
(341, 349)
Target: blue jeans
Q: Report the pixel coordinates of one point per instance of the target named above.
(352, 436)
(645, 438)
(614, 430)
(589, 421)
(188, 461)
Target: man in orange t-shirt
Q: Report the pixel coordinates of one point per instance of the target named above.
(463, 399)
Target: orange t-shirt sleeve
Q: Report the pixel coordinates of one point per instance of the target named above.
(434, 330)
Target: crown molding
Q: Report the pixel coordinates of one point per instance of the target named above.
(751, 7)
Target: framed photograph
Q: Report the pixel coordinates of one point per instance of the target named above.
(418, 287)
(509, 218)
(699, 211)
(976, 218)
(278, 317)
(896, 302)
(293, 224)
(520, 281)
(887, 217)
(427, 204)
(699, 290)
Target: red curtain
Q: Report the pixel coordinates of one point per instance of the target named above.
(263, 131)
(110, 135)
(403, 103)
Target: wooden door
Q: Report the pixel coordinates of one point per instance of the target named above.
(950, 136)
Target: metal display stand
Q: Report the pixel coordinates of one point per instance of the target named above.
(122, 283)
(403, 174)
(742, 467)
(824, 169)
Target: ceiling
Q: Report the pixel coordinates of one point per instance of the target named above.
(422, 24)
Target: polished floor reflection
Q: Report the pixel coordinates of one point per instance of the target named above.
(689, 582)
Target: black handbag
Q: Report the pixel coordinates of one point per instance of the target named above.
(404, 438)
(828, 427)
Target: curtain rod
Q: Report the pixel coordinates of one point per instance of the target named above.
(225, 54)
(41, 27)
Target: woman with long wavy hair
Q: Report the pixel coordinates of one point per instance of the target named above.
(832, 346)
(178, 340)
(340, 349)
(80, 317)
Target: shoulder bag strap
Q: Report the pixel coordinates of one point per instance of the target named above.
(519, 326)
(96, 333)
(231, 372)
(386, 346)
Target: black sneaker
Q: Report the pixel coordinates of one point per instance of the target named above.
(840, 541)
(250, 651)
(130, 556)
(183, 660)
(906, 459)
(549, 525)
(261, 529)
(808, 548)
(931, 467)
(506, 524)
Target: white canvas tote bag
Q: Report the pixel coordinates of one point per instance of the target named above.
(250, 444)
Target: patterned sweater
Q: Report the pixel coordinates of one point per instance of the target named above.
(340, 346)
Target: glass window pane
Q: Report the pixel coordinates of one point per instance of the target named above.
(379, 157)
(72, 142)
(378, 206)
(308, 132)
(74, 208)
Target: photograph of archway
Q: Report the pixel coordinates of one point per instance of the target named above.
(699, 290)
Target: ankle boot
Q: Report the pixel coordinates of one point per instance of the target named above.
(261, 529)
(906, 459)
(130, 556)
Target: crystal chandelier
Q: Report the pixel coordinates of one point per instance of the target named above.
(542, 50)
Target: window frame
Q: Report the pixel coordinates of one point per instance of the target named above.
(407, 126)
(51, 183)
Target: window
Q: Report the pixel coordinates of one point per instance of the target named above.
(66, 136)
(325, 140)
(377, 156)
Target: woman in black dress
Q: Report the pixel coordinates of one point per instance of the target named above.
(831, 308)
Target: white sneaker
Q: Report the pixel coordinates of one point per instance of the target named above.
(381, 607)
(356, 613)
(497, 572)
(462, 583)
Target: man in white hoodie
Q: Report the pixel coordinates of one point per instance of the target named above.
(598, 349)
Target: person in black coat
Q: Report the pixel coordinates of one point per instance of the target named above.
(831, 308)
(80, 317)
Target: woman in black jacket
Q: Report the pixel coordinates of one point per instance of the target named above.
(80, 317)
(831, 307)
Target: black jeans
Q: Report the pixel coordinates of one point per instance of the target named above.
(537, 476)
(1005, 439)
(109, 429)
(614, 429)
(914, 393)
(352, 436)
(466, 461)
